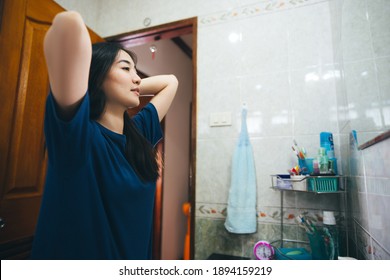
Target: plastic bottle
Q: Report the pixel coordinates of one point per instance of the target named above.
(323, 161)
(326, 141)
(333, 166)
(316, 167)
(331, 235)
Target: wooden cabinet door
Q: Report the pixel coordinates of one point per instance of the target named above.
(23, 89)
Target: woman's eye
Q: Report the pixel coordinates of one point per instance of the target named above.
(126, 68)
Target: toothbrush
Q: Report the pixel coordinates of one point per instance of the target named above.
(300, 152)
(301, 223)
(310, 224)
(295, 151)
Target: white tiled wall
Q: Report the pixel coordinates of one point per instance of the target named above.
(369, 199)
(364, 60)
(281, 64)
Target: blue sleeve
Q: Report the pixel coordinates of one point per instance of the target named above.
(148, 124)
(67, 141)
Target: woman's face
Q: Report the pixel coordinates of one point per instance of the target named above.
(121, 84)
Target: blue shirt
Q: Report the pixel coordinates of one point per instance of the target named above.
(94, 205)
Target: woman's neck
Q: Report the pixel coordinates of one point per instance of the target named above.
(112, 121)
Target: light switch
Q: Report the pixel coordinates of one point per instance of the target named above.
(221, 119)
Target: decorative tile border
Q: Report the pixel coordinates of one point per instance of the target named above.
(214, 211)
(270, 215)
(264, 7)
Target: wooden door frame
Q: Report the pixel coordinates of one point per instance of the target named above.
(168, 31)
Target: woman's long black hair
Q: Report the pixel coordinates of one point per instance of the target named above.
(139, 152)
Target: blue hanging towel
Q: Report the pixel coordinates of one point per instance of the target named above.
(241, 209)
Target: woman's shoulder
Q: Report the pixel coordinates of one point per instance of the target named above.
(148, 123)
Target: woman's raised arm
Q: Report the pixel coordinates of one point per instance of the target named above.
(164, 88)
(68, 51)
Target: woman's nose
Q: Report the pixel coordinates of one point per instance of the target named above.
(137, 80)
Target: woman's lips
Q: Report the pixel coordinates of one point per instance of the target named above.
(135, 90)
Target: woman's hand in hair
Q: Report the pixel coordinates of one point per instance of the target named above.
(68, 50)
(164, 88)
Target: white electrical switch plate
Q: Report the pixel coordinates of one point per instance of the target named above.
(221, 119)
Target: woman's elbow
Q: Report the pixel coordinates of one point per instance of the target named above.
(68, 18)
(69, 25)
(173, 81)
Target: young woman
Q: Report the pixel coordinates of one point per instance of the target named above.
(102, 168)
